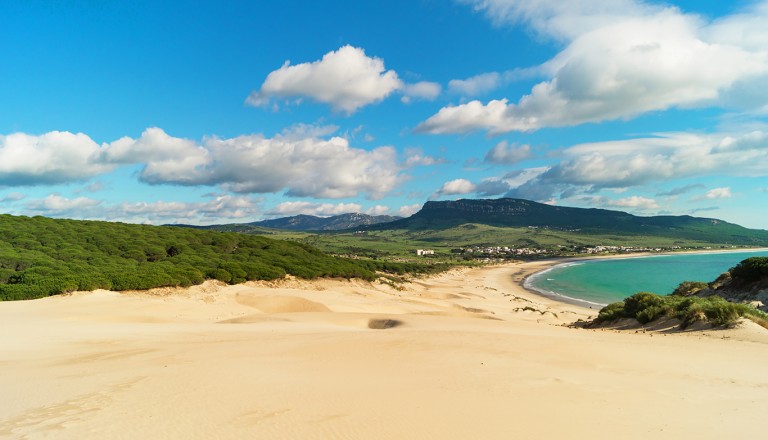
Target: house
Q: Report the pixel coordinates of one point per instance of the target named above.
(422, 252)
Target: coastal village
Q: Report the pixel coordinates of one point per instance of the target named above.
(507, 252)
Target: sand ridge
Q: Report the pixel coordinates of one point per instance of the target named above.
(466, 354)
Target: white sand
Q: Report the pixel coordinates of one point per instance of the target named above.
(450, 357)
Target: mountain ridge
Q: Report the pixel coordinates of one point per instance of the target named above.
(303, 222)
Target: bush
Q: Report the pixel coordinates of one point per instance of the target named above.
(641, 301)
(688, 288)
(647, 307)
(750, 270)
(611, 312)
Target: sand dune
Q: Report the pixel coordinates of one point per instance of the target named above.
(467, 354)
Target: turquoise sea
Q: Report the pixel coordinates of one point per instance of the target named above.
(606, 281)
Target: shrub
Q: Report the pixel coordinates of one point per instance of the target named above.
(750, 270)
(641, 301)
(647, 307)
(687, 288)
(611, 312)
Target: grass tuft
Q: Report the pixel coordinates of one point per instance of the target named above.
(647, 307)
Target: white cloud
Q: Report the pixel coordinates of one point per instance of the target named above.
(54, 157)
(636, 202)
(561, 20)
(472, 116)
(302, 131)
(306, 167)
(716, 193)
(621, 59)
(219, 208)
(408, 210)
(457, 186)
(424, 90)
(508, 154)
(166, 158)
(56, 205)
(667, 157)
(12, 197)
(632, 203)
(346, 79)
(378, 210)
(415, 157)
(311, 208)
(475, 85)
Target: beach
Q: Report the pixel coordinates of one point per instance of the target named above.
(469, 353)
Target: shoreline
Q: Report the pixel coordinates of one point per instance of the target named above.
(355, 359)
(527, 282)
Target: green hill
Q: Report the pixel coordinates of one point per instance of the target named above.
(518, 213)
(42, 256)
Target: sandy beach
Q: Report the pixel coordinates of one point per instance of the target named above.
(466, 354)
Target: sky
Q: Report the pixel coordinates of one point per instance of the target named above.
(204, 112)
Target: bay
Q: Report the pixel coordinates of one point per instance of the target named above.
(600, 282)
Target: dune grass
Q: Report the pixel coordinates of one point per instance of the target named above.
(646, 307)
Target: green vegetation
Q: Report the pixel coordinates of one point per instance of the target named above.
(684, 305)
(750, 270)
(525, 213)
(688, 288)
(450, 228)
(401, 243)
(41, 256)
(646, 307)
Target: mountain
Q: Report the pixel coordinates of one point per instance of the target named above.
(525, 213)
(301, 223)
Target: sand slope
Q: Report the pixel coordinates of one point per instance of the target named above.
(468, 354)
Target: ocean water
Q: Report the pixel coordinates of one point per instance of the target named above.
(602, 282)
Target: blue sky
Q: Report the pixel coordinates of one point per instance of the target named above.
(218, 112)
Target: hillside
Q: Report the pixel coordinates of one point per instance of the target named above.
(333, 223)
(42, 256)
(525, 213)
(301, 223)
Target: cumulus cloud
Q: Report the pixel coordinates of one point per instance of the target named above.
(305, 167)
(408, 210)
(716, 193)
(508, 154)
(166, 158)
(621, 58)
(559, 20)
(475, 85)
(492, 187)
(424, 90)
(457, 186)
(311, 208)
(415, 157)
(54, 157)
(218, 208)
(378, 210)
(346, 79)
(635, 162)
(56, 205)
